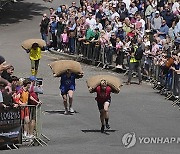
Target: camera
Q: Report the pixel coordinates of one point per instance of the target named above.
(39, 82)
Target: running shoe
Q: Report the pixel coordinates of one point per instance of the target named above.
(102, 129)
(71, 110)
(66, 112)
(108, 126)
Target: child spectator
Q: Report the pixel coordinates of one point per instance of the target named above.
(22, 99)
(65, 40)
(120, 53)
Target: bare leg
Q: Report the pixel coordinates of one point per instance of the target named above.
(65, 103)
(70, 94)
(32, 126)
(106, 116)
(102, 118)
(26, 125)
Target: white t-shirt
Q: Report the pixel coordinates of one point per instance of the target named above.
(115, 14)
(133, 10)
(175, 6)
(91, 22)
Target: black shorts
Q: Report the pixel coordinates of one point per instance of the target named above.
(101, 105)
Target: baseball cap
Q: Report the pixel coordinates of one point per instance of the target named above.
(32, 78)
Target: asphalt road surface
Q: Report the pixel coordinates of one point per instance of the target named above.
(137, 110)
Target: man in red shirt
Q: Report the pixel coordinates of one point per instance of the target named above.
(103, 101)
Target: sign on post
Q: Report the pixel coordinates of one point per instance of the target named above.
(10, 126)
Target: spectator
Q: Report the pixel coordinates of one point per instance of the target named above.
(7, 74)
(134, 64)
(120, 33)
(132, 9)
(98, 24)
(53, 31)
(148, 14)
(22, 99)
(163, 31)
(4, 66)
(91, 21)
(169, 18)
(120, 53)
(72, 34)
(156, 22)
(101, 16)
(33, 100)
(123, 11)
(60, 29)
(64, 41)
(73, 7)
(44, 28)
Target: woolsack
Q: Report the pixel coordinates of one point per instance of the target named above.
(27, 44)
(61, 66)
(112, 81)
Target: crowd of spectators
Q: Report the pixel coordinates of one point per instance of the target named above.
(112, 30)
(18, 93)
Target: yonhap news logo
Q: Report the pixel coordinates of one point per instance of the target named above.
(130, 139)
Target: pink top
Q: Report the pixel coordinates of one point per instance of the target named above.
(65, 38)
(155, 48)
(104, 40)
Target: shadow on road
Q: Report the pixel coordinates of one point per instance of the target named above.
(58, 112)
(98, 131)
(16, 12)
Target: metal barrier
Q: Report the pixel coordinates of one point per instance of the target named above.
(21, 126)
(35, 124)
(168, 84)
(94, 52)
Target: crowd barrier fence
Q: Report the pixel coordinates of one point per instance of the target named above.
(12, 127)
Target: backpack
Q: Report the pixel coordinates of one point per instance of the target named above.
(138, 53)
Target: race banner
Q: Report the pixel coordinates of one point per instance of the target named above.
(10, 126)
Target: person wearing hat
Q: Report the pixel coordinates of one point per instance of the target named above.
(33, 100)
(156, 22)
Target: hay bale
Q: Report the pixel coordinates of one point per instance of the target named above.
(112, 81)
(61, 66)
(27, 44)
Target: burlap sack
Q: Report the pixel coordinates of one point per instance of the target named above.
(27, 44)
(112, 81)
(61, 66)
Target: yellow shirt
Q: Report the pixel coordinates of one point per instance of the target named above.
(35, 54)
(132, 59)
(24, 96)
(126, 28)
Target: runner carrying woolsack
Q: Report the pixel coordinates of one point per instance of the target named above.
(67, 88)
(103, 102)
